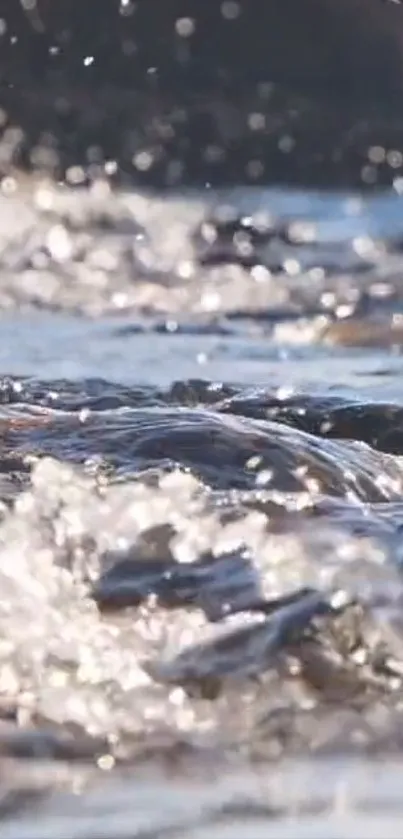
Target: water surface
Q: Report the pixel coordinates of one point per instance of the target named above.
(201, 483)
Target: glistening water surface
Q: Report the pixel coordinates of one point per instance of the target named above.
(201, 479)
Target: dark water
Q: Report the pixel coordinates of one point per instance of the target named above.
(201, 415)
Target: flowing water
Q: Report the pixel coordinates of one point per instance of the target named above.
(201, 625)
(201, 417)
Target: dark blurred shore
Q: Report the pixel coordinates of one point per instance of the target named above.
(178, 91)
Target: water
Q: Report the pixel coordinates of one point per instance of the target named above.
(201, 483)
(201, 420)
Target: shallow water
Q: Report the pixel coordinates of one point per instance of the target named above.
(201, 483)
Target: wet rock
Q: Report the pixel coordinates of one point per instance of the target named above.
(225, 452)
(244, 651)
(354, 332)
(217, 585)
(47, 744)
(233, 238)
(378, 424)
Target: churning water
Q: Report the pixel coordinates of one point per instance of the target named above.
(201, 478)
(201, 421)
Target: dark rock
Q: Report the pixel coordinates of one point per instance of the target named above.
(217, 585)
